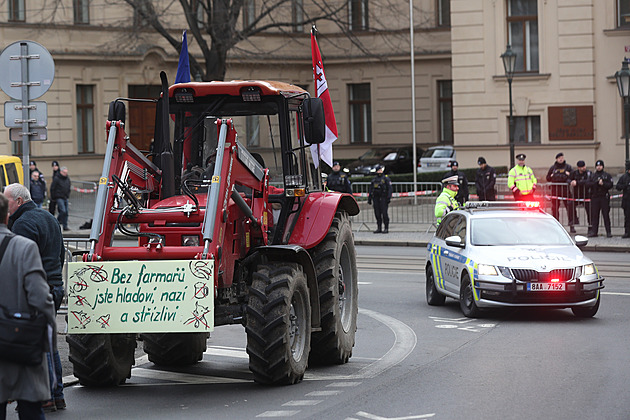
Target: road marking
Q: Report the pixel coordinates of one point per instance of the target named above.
(298, 403)
(458, 322)
(322, 393)
(453, 320)
(164, 375)
(616, 293)
(227, 352)
(343, 384)
(364, 282)
(279, 413)
(375, 417)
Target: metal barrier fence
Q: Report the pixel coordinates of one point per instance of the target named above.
(81, 201)
(72, 245)
(404, 209)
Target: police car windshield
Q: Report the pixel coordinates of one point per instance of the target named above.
(507, 231)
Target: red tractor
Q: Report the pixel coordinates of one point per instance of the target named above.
(217, 243)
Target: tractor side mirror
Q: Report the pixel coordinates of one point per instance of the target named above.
(314, 120)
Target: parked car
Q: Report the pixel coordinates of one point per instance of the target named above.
(437, 158)
(498, 255)
(396, 160)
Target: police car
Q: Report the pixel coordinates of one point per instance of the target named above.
(494, 254)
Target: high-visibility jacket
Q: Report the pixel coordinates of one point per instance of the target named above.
(445, 203)
(522, 177)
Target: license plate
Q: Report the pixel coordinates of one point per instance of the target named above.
(545, 287)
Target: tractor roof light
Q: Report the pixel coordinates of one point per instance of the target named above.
(250, 94)
(184, 95)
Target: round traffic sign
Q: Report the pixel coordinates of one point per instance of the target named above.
(41, 69)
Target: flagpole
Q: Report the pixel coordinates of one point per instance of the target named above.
(413, 107)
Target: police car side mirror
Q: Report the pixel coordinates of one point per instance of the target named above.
(580, 240)
(455, 241)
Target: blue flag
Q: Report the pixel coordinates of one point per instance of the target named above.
(183, 67)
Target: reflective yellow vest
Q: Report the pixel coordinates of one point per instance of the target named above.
(522, 177)
(445, 200)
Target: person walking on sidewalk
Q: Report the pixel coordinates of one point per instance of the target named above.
(41, 227)
(485, 180)
(624, 185)
(446, 201)
(560, 176)
(38, 189)
(521, 180)
(60, 192)
(52, 204)
(24, 288)
(599, 183)
(581, 192)
(380, 193)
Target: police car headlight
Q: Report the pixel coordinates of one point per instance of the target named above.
(487, 270)
(588, 269)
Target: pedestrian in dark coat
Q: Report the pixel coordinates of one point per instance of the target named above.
(624, 185)
(60, 192)
(559, 175)
(462, 194)
(599, 183)
(32, 166)
(380, 193)
(485, 180)
(41, 227)
(52, 204)
(38, 189)
(581, 191)
(338, 181)
(24, 288)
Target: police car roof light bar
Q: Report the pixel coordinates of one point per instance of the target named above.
(502, 205)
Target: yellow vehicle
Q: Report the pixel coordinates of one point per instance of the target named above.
(11, 170)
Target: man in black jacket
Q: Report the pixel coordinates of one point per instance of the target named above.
(624, 185)
(484, 181)
(462, 194)
(380, 192)
(599, 183)
(40, 226)
(581, 192)
(38, 189)
(60, 192)
(337, 180)
(559, 174)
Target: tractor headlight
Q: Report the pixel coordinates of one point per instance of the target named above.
(190, 240)
(487, 270)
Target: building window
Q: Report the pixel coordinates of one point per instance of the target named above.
(360, 113)
(85, 118)
(16, 11)
(199, 10)
(443, 13)
(249, 13)
(522, 21)
(358, 15)
(81, 11)
(297, 15)
(527, 129)
(623, 13)
(445, 106)
(16, 148)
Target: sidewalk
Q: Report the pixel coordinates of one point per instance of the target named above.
(420, 234)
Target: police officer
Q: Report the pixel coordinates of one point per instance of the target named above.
(624, 185)
(599, 183)
(581, 192)
(559, 175)
(338, 181)
(380, 193)
(462, 194)
(484, 181)
(521, 180)
(446, 201)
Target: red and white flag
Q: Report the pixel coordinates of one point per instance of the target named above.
(325, 149)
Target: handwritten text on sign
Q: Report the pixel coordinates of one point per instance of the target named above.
(141, 296)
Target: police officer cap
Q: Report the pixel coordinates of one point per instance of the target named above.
(451, 180)
(481, 160)
(559, 154)
(336, 163)
(379, 166)
(454, 163)
(54, 163)
(520, 156)
(599, 162)
(33, 163)
(581, 164)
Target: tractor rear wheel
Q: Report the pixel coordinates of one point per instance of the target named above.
(278, 324)
(337, 278)
(102, 359)
(175, 349)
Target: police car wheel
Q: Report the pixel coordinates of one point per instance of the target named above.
(467, 299)
(586, 312)
(434, 298)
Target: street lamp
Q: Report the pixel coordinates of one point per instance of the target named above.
(623, 83)
(509, 63)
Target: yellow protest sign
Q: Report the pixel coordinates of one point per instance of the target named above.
(141, 296)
